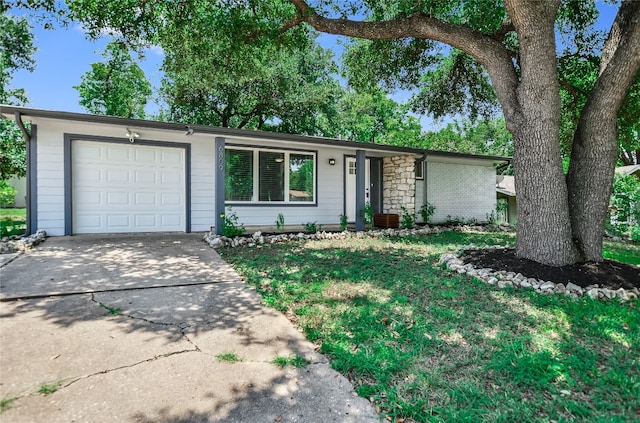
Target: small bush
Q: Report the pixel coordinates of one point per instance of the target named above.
(426, 211)
(367, 214)
(280, 222)
(408, 220)
(7, 194)
(343, 222)
(312, 227)
(231, 227)
(635, 233)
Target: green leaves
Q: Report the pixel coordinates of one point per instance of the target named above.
(116, 87)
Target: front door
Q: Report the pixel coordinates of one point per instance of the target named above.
(350, 187)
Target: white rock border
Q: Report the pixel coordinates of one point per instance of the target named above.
(504, 279)
(15, 245)
(219, 241)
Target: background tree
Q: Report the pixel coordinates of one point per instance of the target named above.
(16, 52)
(372, 116)
(264, 87)
(486, 136)
(116, 87)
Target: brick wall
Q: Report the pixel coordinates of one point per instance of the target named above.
(460, 191)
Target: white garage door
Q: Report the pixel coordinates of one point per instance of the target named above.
(127, 188)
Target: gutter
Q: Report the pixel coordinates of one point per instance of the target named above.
(18, 118)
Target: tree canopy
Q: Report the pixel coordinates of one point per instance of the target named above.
(115, 87)
(16, 52)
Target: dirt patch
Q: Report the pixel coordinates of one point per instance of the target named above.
(609, 274)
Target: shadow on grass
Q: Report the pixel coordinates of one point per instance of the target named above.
(430, 345)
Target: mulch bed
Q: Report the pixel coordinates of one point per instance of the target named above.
(607, 273)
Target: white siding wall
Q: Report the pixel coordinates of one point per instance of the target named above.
(460, 190)
(50, 180)
(419, 196)
(50, 177)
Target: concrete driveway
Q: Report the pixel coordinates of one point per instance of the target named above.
(128, 328)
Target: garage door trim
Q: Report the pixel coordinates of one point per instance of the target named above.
(68, 181)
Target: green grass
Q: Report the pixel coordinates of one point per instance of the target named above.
(6, 404)
(296, 361)
(13, 222)
(427, 345)
(48, 388)
(229, 357)
(625, 253)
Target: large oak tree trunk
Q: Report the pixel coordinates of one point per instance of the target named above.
(560, 221)
(543, 228)
(595, 145)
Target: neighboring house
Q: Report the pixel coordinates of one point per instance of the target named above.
(20, 184)
(629, 170)
(103, 174)
(506, 191)
(506, 198)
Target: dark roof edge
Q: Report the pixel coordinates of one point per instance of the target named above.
(217, 130)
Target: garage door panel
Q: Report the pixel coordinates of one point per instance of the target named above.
(170, 199)
(117, 154)
(127, 188)
(171, 158)
(145, 156)
(145, 176)
(146, 199)
(118, 199)
(171, 177)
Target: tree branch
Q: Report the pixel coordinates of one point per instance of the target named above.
(491, 53)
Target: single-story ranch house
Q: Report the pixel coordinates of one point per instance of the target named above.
(104, 174)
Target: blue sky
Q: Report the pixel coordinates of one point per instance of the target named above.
(64, 54)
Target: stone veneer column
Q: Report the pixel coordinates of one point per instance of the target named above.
(398, 184)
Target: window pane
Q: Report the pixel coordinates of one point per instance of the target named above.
(419, 169)
(301, 170)
(238, 184)
(271, 181)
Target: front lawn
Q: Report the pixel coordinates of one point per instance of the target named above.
(425, 345)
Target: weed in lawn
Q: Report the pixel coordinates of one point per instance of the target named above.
(49, 388)
(6, 404)
(432, 346)
(230, 357)
(296, 361)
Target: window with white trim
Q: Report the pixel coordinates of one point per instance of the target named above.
(269, 176)
(419, 170)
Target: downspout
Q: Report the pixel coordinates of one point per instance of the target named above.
(425, 183)
(23, 129)
(27, 143)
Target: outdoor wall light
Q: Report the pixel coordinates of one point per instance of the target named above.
(189, 130)
(279, 159)
(132, 135)
(332, 162)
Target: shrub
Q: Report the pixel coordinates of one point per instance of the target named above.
(7, 194)
(624, 207)
(311, 227)
(367, 214)
(343, 222)
(280, 222)
(231, 227)
(408, 220)
(426, 211)
(635, 233)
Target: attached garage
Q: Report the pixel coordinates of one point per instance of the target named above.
(121, 187)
